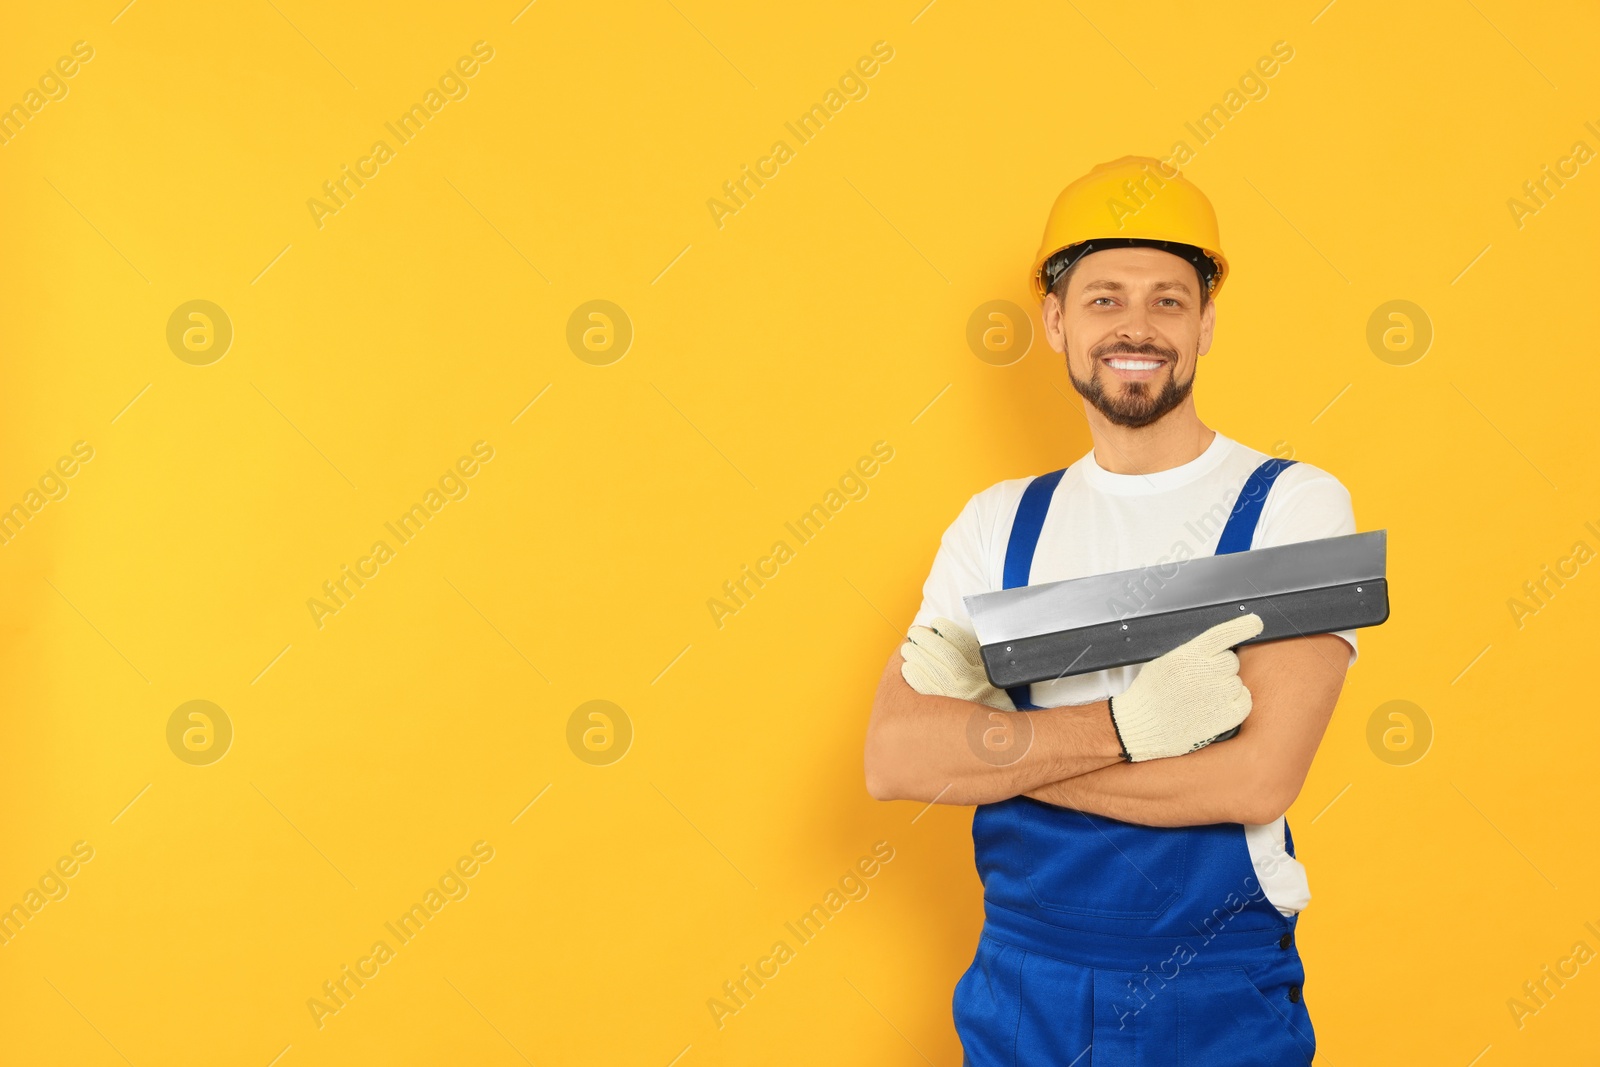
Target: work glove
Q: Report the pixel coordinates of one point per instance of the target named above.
(944, 661)
(1187, 698)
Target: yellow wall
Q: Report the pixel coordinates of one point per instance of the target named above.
(772, 348)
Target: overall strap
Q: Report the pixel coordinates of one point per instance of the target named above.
(1026, 526)
(1241, 530)
(1020, 547)
(1241, 527)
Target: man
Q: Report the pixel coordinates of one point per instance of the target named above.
(1140, 886)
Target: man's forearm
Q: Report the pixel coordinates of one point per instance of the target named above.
(1252, 778)
(1219, 783)
(934, 748)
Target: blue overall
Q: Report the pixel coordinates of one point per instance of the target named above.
(1110, 944)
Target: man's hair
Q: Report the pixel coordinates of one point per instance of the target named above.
(1059, 289)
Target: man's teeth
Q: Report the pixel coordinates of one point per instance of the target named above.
(1134, 364)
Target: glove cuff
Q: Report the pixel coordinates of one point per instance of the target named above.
(1118, 730)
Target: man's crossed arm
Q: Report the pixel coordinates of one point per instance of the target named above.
(931, 747)
(1252, 778)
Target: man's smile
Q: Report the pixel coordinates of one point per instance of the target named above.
(1135, 368)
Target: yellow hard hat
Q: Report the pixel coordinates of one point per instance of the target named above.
(1132, 201)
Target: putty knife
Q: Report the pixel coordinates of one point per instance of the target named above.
(1038, 633)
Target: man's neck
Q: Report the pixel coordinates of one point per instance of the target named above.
(1176, 438)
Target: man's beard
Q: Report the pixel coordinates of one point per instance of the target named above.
(1134, 407)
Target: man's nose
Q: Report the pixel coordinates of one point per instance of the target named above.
(1135, 325)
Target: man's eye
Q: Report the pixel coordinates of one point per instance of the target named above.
(1097, 299)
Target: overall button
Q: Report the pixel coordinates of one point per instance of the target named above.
(1286, 940)
(1294, 994)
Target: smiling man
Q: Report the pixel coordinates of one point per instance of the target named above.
(1140, 887)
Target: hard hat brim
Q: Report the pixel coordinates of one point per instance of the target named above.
(1210, 266)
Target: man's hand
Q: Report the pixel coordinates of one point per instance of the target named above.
(944, 661)
(931, 747)
(1185, 699)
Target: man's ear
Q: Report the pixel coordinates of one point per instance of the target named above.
(1053, 316)
(1208, 323)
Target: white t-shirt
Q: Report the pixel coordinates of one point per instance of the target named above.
(1100, 522)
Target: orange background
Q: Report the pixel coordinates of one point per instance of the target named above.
(830, 312)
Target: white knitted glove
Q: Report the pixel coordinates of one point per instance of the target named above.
(945, 662)
(1187, 698)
